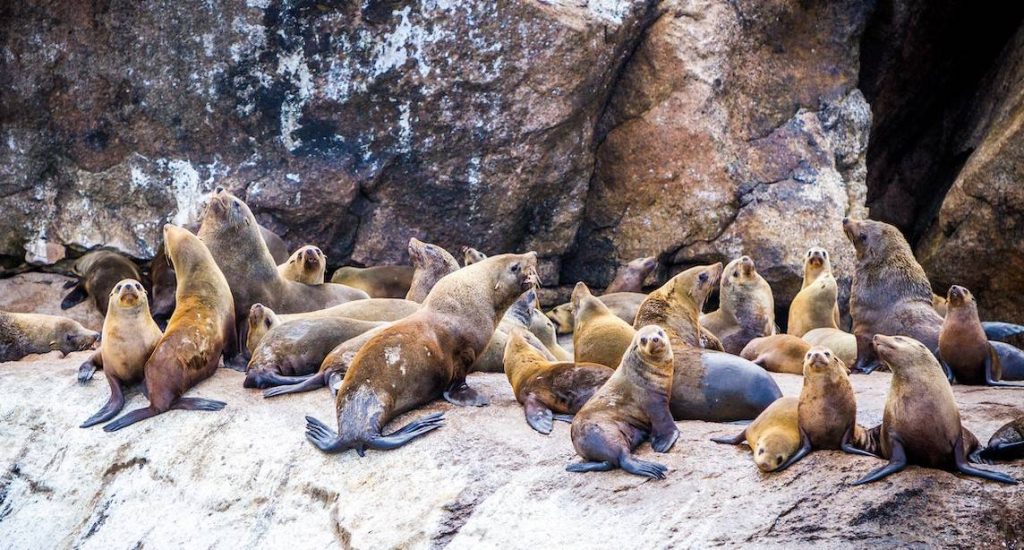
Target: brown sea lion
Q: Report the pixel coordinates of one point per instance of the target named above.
(424, 357)
(890, 293)
(549, 390)
(746, 310)
(816, 305)
(471, 255)
(629, 407)
(22, 334)
(599, 336)
(777, 353)
(201, 327)
(843, 344)
(1006, 444)
(431, 263)
(544, 330)
(98, 272)
(129, 336)
(707, 385)
(379, 281)
(518, 315)
(921, 423)
(622, 304)
(964, 349)
(306, 266)
(774, 436)
(631, 277)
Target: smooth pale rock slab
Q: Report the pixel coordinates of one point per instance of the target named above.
(246, 477)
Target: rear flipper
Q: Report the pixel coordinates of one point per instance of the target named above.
(583, 467)
(993, 372)
(131, 418)
(75, 297)
(89, 367)
(734, 440)
(260, 379)
(323, 437)
(112, 407)
(235, 362)
(947, 370)
(965, 467)
(643, 468)
(563, 418)
(464, 396)
(995, 330)
(538, 416)
(804, 450)
(897, 462)
(1001, 451)
(407, 433)
(312, 383)
(197, 404)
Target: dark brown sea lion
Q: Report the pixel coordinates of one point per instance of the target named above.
(1006, 444)
(631, 277)
(549, 390)
(201, 327)
(306, 266)
(816, 305)
(424, 357)
(129, 337)
(964, 349)
(431, 263)
(22, 334)
(379, 281)
(746, 307)
(98, 272)
(921, 423)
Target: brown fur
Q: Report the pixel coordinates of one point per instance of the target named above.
(517, 316)
(631, 277)
(622, 304)
(747, 308)
(962, 341)
(599, 336)
(816, 305)
(774, 436)
(828, 408)
(22, 334)
(777, 353)
(431, 263)
(98, 272)
(381, 281)
(306, 265)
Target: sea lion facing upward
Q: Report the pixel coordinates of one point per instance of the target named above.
(599, 335)
(890, 294)
(22, 334)
(921, 423)
(471, 255)
(306, 265)
(98, 272)
(129, 336)
(544, 330)
(963, 348)
(549, 390)
(843, 344)
(630, 277)
(816, 305)
(202, 325)
(518, 315)
(622, 304)
(431, 263)
(707, 385)
(379, 281)
(631, 405)
(747, 308)
(424, 356)
(1006, 444)
(777, 353)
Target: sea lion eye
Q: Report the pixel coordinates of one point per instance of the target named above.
(703, 277)
(643, 341)
(117, 288)
(237, 204)
(515, 267)
(863, 238)
(828, 354)
(266, 322)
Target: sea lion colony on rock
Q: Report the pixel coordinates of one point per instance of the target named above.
(383, 356)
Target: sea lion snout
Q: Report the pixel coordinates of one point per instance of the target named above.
(818, 357)
(653, 341)
(957, 295)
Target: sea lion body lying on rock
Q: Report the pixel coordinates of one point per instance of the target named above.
(98, 272)
(774, 436)
(200, 328)
(921, 423)
(631, 277)
(623, 304)
(22, 334)
(549, 390)
(424, 356)
(707, 385)
(381, 281)
(963, 347)
(1006, 444)
(599, 336)
(816, 305)
(306, 266)
(777, 353)
(747, 308)
(629, 407)
(843, 344)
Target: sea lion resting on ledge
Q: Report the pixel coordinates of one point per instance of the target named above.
(22, 334)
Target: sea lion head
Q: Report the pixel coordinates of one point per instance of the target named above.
(958, 297)
(694, 284)
(523, 308)
(640, 268)
(431, 257)
(580, 292)
(517, 273)
(228, 211)
(561, 316)
(771, 451)
(817, 259)
(821, 360)
(652, 344)
(127, 296)
(899, 352)
(740, 271)
(312, 258)
(471, 255)
(261, 318)
(71, 336)
(874, 240)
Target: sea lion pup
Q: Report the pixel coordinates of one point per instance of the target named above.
(22, 334)
(202, 325)
(549, 390)
(630, 405)
(963, 348)
(890, 293)
(471, 255)
(98, 272)
(129, 336)
(747, 308)
(816, 305)
(306, 266)
(424, 357)
(431, 263)
(599, 336)
(707, 385)
(630, 277)
(921, 423)
(843, 344)
(774, 436)
(777, 353)
(379, 281)
(1006, 444)
(297, 348)
(231, 234)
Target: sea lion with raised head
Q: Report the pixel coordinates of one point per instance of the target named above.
(623, 304)
(22, 334)
(518, 315)
(471, 255)
(631, 277)
(431, 263)
(964, 350)
(599, 336)
(306, 266)
(379, 281)
(98, 272)
(746, 307)
(816, 305)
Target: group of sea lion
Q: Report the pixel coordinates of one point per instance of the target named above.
(389, 339)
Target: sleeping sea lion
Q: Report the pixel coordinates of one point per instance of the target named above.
(22, 334)
(379, 281)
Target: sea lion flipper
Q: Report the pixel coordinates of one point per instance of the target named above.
(999, 331)
(848, 447)
(323, 437)
(459, 393)
(643, 468)
(962, 464)
(734, 440)
(197, 404)
(804, 450)
(313, 382)
(89, 367)
(538, 416)
(583, 467)
(407, 433)
(993, 371)
(567, 418)
(946, 369)
(112, 406)
(71, 284)
(664, 431)
(131, 418)
(897, 462)
(75, 297)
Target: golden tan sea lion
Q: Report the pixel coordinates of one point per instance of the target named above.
(816, 305)
(746, 307)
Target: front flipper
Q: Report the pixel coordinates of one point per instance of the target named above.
(131, 418)
(459, 393)
(538, 416)
(197, 404)
(847, 444)
(804, 450)
(111, 408)
(407, 433)
(960, 456)
(734, 440)
(89, 367)
(946, 369)
(897, 462)
(75, 297)
(866, 362)
(664, 431)
(643, 468)
(993, 371)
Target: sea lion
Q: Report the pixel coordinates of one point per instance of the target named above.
(471, 255)
(549, 390)
(816, 305)
(777, 353)
(939, 304)
(963, 348)
(631, 277)
(921, 423)
(746, 310)
(22, 334)
(306, 266)
(1006, 444)
(890, 293)
(774, 436)
(297, 348)
(129, 336)
(201, 327)
(622, 304)
(379, 281)
(518, 315)
(231, 234)
(631, 405)
(843, 344)
(1011, 360)
(431, 263)
(98, 272)
(599, 336)
(707, 385)
(544, 330)
(424, 357)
